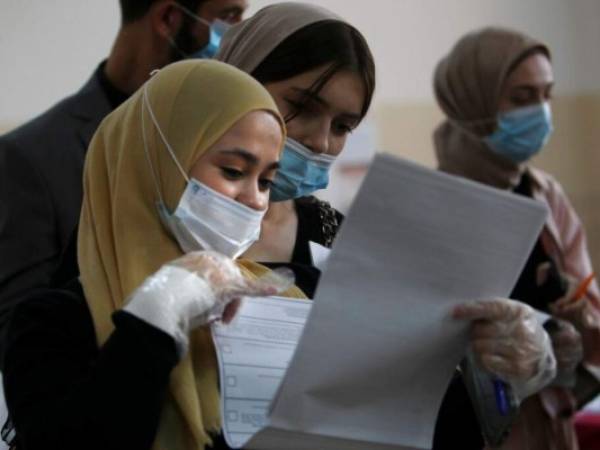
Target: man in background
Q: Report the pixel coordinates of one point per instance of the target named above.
(41, 162)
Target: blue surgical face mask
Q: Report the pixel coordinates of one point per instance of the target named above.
(522, 132)
(216, 31)
(301, 172)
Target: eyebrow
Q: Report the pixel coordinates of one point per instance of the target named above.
(532, 86)
(237, 10)
(248, 157)
(317, 98)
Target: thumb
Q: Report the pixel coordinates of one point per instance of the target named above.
(495, 309)
(249, 288)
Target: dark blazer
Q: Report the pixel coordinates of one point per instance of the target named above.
(41, 167)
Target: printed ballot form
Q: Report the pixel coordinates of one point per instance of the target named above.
(254, 352)
(366, 365)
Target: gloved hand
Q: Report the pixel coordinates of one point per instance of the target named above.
(586, 319)
(193, 290)
(568, 350)
(508, 341)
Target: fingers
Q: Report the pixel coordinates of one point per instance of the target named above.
(281, 278)
(228, 281)
(485, 330)
(567, 347)
(568, 360)
(496, 309)
(194, 261)
(505, 359)
(497, 365)
(231, 310)
(243, 288)
(568, 298)
(542, 273)
(506, 338)
(578, 313)
(248, 288)
(212, 266)
(565, 334)
(565, 308)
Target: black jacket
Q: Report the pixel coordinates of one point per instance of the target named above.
(41, 166)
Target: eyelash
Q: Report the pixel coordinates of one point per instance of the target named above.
(231, 173)
(345, 129)
(235, 174)
(303, 108)
(265, 183)
(293, 103)
(298, 108)
(523, 99)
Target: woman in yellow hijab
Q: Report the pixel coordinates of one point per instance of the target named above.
(115, 359)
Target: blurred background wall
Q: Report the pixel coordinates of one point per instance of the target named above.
(49, 49)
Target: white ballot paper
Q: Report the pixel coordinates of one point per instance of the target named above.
(254, 352)
(319, 255)
(379, 346)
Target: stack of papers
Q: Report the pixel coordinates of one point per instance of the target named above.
(367, 366)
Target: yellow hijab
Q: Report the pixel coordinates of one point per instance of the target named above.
(121, 239)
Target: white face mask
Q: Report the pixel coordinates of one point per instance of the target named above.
(205, 219)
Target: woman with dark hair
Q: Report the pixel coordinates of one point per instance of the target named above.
(119, 358)
(321, 73)
(495, 87)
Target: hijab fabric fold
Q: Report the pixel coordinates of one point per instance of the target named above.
(121, 239)
(468, 83)
(248, 43)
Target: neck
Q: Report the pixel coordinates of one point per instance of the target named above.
(277, 236)
(279, 211)
(135, 53)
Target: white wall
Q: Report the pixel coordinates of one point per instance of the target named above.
(48, 49)
(408, 37)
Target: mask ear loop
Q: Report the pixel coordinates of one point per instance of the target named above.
(152, 170)
(162, 136)
(463, 125)
(161, 205)
(192, 15)
(163, 212)
(176, 47)
(188, 13)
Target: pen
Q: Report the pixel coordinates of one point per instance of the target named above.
(583, 287)
(501, 397)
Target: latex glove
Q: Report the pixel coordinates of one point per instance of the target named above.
(586, 319)
(508, 341)
(192, 291)
(568, 350)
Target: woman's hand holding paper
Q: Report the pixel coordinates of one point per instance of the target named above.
(509, 342)
(193, 290)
